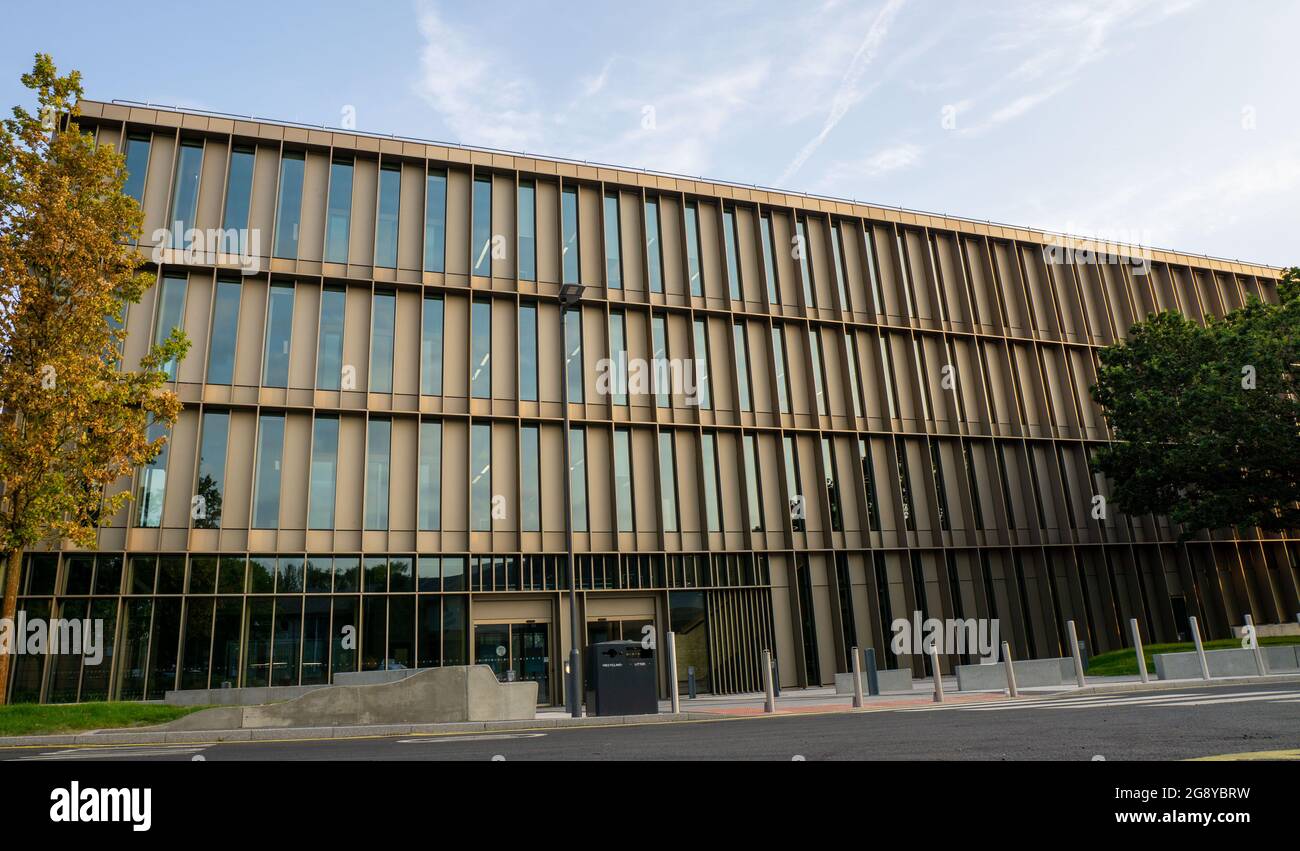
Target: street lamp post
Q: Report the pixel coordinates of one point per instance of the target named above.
(570, 295)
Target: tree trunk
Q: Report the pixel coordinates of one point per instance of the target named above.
(8, 611)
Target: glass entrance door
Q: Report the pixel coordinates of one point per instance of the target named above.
(521, 650)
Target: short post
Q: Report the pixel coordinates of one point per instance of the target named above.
(1137, 645)
(1011, 672)
(873, 677)
(857, 680)
(776, 676)
(1254, 645)
(1200, 648)
(938, 672)
(690, 681)
(1076, 653)
(672, 673)
(769, 699)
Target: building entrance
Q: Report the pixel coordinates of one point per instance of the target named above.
(518, 650)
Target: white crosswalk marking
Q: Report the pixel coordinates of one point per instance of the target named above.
(117, 752)
(1155, 700)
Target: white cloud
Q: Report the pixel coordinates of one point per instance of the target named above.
(479, 103)
(851, 90)
(881, 162)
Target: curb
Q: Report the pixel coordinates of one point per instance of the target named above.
(162, 737)
(1174, 685)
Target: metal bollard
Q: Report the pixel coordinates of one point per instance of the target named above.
(769, 699)
(1259, 651)
(1200, 648)
(690, 681)
(857, 680)
(1137, 646)
(1011, 672)
(673, 692)
(873, 677)
(1076, 653)
(776, 676)
(938, 673)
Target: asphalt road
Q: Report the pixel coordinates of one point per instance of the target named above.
(1152, 726)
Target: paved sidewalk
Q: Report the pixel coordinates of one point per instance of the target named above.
(792, 702)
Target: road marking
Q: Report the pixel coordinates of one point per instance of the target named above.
(1260, 697)
(1120, 700)
(115, 752)
(438, 739)
(1291, 754)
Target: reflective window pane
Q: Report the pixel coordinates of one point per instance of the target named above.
(431, 348)
(573, 353)
(378, 438)
(530, 478)
(171, 314)
(279, 331)
(270, 446)
(435, 221)
(480, 477)
(329, 353)
(137, 165)
(528, 352)
(569, 225)
(623, 479)
(480, 367)
(578, 478)
(527, 231)
(430, 476)
(613, 246)
(729, 240)
(239, 195)
(185, 191)
(667, 482)
(390, 191)
(324, 473)
(205, 508)
(338, 217)
(481, 239)
(693, 269)
(225, 332)
(654, 268)
(290, 209)
(383, 315)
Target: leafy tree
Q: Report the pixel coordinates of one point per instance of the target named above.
(1205, 419)
(71, 422)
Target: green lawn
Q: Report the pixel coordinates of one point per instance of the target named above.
(34, 719)
(1120, 662)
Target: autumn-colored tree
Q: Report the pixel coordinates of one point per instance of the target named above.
(71, 421)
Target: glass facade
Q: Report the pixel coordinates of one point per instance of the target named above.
(258, 448)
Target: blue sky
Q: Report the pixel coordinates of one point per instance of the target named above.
(1170, 122)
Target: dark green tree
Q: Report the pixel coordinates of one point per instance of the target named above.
(1205, 419)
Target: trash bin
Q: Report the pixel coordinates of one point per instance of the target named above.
(622, 679)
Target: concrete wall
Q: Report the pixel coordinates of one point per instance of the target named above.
(890, 681)
(1029, 672)
(432, 696)
(1226, 663)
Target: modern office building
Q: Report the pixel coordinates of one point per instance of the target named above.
(836, 415)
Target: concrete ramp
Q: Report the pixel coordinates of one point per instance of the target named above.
(434, 696)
